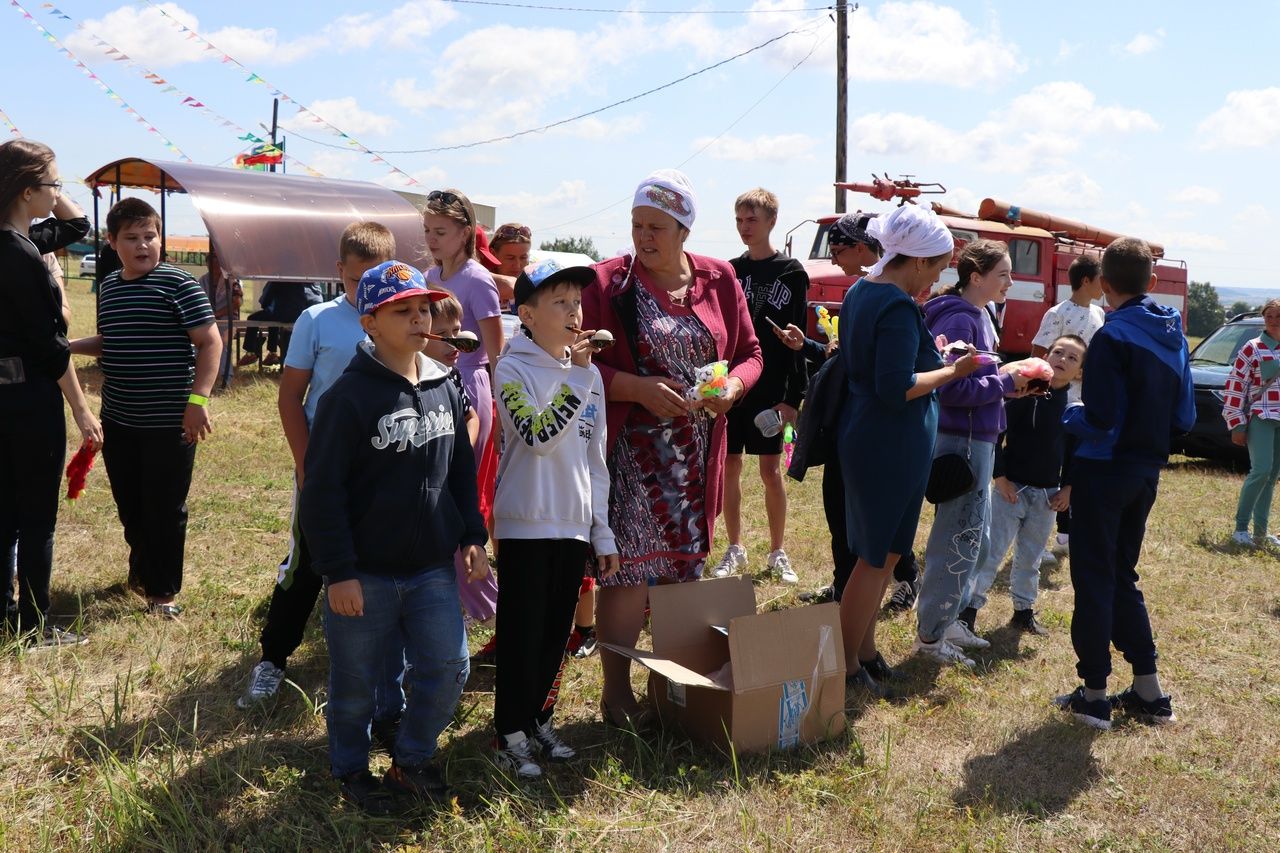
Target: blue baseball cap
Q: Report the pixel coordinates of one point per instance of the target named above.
(547, 273)
(389, 281)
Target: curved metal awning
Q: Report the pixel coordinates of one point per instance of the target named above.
(275, 226)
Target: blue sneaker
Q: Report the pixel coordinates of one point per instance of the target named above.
(1096, 714)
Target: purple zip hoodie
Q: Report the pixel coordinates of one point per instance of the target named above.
(977, 401)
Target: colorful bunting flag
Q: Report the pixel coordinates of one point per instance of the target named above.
(9, 125)
(49, 37)
(257, 79)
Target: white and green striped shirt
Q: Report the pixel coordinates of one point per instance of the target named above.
(147, 357)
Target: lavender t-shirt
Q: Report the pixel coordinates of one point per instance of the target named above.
(474, 288)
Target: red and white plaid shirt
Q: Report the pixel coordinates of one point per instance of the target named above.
(1247, 394)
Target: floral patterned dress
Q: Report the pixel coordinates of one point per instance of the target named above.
(657, 506)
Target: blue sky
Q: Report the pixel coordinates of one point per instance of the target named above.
(1152, 118)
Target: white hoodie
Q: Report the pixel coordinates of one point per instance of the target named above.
(552, 481)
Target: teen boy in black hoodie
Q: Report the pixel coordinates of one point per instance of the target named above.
(389, 494)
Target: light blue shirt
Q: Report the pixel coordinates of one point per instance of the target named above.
(324, 341)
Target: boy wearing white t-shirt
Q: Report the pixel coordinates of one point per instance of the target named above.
(1081, 317)
(1077, 316)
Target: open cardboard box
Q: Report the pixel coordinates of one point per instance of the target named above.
(731, 676)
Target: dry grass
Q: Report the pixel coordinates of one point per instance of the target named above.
(133, 741)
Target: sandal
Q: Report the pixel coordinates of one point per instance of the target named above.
(168, 610)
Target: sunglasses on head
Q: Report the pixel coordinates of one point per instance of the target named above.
(450, 199)
(509, 232)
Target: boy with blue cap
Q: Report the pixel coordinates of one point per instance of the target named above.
(389, 494)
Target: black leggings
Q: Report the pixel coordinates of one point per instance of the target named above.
(842, 557)
(536, 600)
(33, 449)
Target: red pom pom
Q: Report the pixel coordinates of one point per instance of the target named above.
(78, 470)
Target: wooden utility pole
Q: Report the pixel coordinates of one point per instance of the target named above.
(842, 98)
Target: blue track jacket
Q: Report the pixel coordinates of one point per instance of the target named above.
(1137, 388)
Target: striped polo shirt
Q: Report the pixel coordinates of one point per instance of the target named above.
(148, 361)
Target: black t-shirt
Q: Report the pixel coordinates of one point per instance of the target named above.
(776, 288)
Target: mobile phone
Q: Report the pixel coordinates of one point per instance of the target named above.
(769, 320)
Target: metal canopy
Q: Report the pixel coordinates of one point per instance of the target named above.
(274, 226)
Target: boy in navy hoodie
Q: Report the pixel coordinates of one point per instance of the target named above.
(1137, 395)
(552, 503)
(389, 494)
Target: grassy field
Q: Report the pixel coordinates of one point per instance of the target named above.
(133, 742)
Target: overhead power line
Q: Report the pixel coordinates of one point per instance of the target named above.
(597, 10)
(578, 117)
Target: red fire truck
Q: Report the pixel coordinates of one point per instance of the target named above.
(1041, 247)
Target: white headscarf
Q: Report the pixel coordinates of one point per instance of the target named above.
(668, 190)
(912, 231)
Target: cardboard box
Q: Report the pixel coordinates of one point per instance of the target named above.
(729, 675)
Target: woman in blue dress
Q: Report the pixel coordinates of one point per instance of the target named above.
(886, 439)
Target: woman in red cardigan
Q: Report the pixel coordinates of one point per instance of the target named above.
(671, 312)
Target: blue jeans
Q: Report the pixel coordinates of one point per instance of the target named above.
(1027, 525)
(958, 542)
(423, 610)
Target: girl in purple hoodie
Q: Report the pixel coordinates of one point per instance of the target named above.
(970, 418)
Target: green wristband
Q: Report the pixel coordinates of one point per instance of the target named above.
(198, 400)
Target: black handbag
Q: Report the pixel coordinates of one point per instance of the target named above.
(951, 475)
(949, 478)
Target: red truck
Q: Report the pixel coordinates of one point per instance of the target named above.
(1041, 247)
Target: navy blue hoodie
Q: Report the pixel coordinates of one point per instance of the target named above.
(390, 479)
(1137, 388)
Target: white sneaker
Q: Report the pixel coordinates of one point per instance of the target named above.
(734, 560)
(942, 651)
(1047, 558)
(1268, 541)
(1242, 537)
(548, 740)
(958, 634)
(512, 753)
(780, 565)
(264, 682)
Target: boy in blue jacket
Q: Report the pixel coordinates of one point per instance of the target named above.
(1137, 395)
(389, 494)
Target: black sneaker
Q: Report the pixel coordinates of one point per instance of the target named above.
(1025, 620)
(425, 784)
(818, 596)
(52, 638)
(590, 645)
(1157, 713)
(366, 793)
(903, 598)
(879, 669)
(1096, 713)
(969, 616)
(385, 732)
(865, 681)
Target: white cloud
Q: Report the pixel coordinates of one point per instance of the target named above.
(345, 113)
(1072, 190)
(565, 194)
(1250, 118)
(1040, 128)
(918, 41)
(1177, 242)
(1144, 42)
(1067, 49)
(787, 146)
(147, 35)
(597, 129)
(335, 164)
(1253, 214)
(1196, 195)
